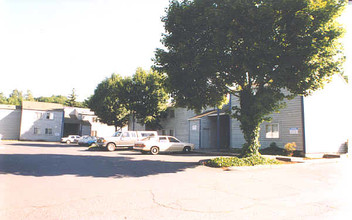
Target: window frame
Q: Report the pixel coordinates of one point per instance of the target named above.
(271, 134)
(47, 131)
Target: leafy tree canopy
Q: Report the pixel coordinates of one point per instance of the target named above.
(107, 104)
(257, 50)
(141, 96)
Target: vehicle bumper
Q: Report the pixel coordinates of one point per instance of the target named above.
(101, 144)
(141, 148)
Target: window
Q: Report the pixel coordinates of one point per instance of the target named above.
(172, 113)
(163, 132)
(48, 131)
(171, 132)
(162, 139)
(173, 140)
(272, 131)
(49, 116)
(125, 134)
(36, 130)
(38, 115)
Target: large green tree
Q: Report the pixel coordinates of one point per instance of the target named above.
(107, 104)
(261, 51)
(147, 97)
(142, 96)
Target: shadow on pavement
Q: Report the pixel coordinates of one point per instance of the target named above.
(95, 166)
(44, 144)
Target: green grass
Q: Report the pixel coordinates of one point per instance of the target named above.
(236, 161)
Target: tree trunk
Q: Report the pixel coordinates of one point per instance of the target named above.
(250, 120)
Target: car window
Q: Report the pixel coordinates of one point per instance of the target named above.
(125, 134)
(174, 140)
(117, 134)
(162, 139)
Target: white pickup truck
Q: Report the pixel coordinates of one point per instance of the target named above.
(124, 139)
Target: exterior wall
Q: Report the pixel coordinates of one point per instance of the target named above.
(85, 130)
(31, 121)
(10, 121)
(133, 125)
(194, 133)
(179, 124)
(206, 133)
(327, 116)
(289, 121)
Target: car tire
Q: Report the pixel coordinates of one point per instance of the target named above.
(187, 149)
(110, 146)
(154, 150)
(68, 142)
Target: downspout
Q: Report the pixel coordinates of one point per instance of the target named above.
(303, 126)
(230, 122)
(218, 129)
(200, 133)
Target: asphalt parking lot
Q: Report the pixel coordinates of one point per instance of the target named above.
(57, 181)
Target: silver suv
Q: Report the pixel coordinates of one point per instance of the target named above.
(124, 139)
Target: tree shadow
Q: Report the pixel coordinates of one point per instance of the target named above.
(45, 144)
(40, 165)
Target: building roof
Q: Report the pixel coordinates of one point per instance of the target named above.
(203, 114)
(11, 107)
(44, 106)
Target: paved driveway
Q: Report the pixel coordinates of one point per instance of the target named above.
(58, 181)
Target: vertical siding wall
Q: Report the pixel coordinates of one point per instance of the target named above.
(179, 124)
(194, 133)
(10, 121)
(30, 121)
(328, 118)
(289, 118)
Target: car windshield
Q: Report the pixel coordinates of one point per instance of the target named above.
(117, 134)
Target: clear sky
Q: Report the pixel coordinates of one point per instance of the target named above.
(53, 46)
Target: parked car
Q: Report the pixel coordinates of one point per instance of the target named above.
(122, 139)
(70, 139)
(87, 140)
(154, 145)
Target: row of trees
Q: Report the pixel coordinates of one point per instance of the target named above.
(142, 97)
(16, 98)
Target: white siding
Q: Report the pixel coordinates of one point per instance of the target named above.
(327, 116)
(179, 124)
(10, 120)
(30, 122)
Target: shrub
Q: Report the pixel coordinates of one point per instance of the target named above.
(273, 145)
(235, 161)
(290, 148)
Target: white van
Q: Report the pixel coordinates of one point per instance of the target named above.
(124, 139)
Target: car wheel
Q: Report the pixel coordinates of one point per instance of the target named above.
(110, 146)
(68, 142)
(154, 150)
(187, 149)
